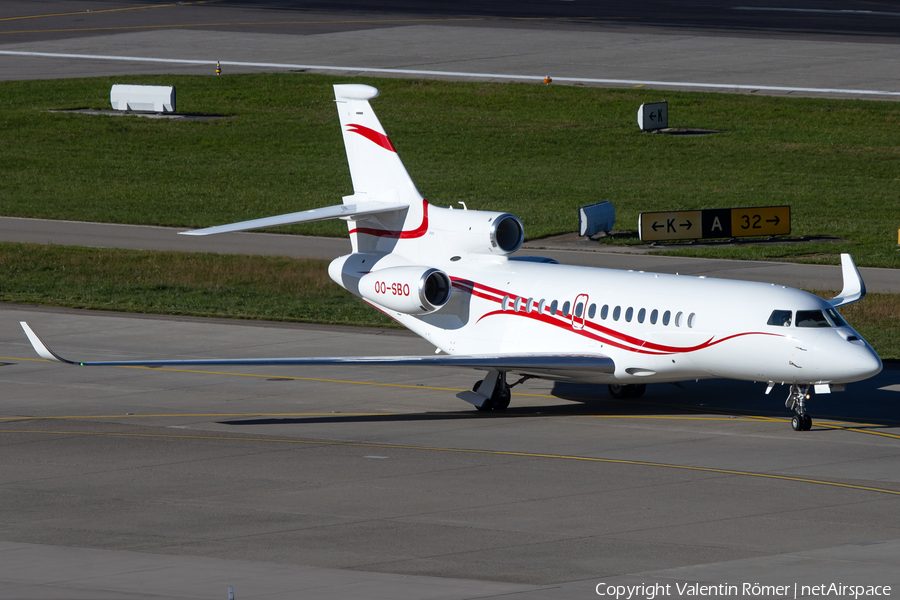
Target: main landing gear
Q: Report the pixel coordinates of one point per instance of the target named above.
(620, 391)
(796, 401)
(499, 400)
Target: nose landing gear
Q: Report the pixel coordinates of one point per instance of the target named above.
(796, 401)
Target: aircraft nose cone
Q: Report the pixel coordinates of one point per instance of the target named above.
(844, 361)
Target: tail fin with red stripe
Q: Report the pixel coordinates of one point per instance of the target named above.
(377, 172)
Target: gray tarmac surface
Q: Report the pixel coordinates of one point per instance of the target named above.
(614, 48)
(379, 483)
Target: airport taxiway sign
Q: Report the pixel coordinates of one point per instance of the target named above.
(714, 223)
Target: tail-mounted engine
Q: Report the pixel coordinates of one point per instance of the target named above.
(413, 290)
(476, 231)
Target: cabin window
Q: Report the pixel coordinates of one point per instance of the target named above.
(780, 318)
(592, 311)
(617, 312)
(654, 316)
(812, 318)
(518, 305)
(540, 307)
(604, 312)
(579, 309)
(565, 310)
(642, 314)
(690, 321)
(628, 314)
(838, 320)
(678, 319)
(553, 306)
(529, 306)
(666, 316)
(505, 303)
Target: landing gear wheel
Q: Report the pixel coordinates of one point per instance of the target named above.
(796, 401)
(499, 400)
(486, 406)
(620, 391)
(637, 390)
(501, 397)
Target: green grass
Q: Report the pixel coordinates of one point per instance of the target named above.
(180, 283)
(536, 151)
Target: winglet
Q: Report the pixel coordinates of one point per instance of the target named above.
(40, 347)
(854, 287)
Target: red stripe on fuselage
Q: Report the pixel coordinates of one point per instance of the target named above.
(401, 235)
(372, 135)
(636, 345)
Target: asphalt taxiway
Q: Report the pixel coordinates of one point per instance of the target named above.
(845, 53)
(378, 482)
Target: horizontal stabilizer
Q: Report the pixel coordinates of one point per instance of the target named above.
(499, 362)
(317, 214)
(854, 287)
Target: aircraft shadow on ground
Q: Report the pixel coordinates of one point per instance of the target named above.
(872, 403)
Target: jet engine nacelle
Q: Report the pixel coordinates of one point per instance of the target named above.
(413, 290)
(477, 231)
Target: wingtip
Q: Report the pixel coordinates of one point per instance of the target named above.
(42, 350)
(854, 288)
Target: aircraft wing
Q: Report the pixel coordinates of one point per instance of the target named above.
(535, 363)
(306, 216)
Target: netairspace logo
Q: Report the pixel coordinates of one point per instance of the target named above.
(650, 591)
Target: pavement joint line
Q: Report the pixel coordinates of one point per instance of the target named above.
(594, 459)
(106, 10)
(536, 78)
(187, 25)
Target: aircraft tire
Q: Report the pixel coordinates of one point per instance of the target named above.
(501, 398)
(617, 390)
(797, 423)
(807, 422)
(636, 391)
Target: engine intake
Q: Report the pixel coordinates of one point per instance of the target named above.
(507, 233)
(413, 290)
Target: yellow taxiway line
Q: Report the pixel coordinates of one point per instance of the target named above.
(475, 451)
(856, 427)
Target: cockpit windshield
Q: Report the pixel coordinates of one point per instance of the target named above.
(780, 318)
(812, 318)
(807, 318)
(836, 317)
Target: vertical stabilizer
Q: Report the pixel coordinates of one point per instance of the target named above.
(376, 169)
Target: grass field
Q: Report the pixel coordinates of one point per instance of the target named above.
(536, 151)
(539, 152)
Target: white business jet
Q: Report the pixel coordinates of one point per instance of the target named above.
(448, 276)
